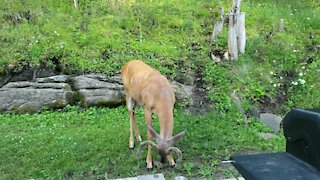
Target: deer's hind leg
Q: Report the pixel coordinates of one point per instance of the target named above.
(131, 105)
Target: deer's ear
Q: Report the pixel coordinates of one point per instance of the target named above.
(153, 132)
(177, 137)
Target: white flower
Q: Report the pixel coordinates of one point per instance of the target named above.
(308, 18)
(294, 83)
(279, 84)
(281, 77)
(56, 33)
(294, 50)
(302, 81)
(274, 85)
(303, 67)
(301, 74)
(271, 73)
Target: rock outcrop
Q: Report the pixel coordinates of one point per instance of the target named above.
(58, 91)
(32, 97)
(97, 90)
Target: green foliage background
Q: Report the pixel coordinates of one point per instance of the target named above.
(174, 37)
(279, 71)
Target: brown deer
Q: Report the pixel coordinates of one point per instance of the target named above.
(146, 86)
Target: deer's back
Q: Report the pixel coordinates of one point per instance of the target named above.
(146, 85)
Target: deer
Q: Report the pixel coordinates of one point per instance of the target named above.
(147, 87)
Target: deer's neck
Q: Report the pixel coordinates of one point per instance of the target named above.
(166, 124)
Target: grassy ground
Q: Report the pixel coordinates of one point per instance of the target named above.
(93, 143)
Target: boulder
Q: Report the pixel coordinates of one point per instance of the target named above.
(54, 79)
(183, 93)
(267, 136)
(271, 120)
(98, 90)
(31, 97)
(60, 90)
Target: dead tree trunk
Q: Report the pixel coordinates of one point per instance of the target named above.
(236, 31)
(218, 26)
(232, 38)
(241, 33)
(75, 3)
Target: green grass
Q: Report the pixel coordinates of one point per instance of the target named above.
(93, 144)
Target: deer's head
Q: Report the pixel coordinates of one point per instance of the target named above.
(163, 146)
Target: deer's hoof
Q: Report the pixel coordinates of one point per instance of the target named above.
(139, 139)
(149, 166)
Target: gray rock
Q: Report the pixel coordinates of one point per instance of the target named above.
(100, 97)
(267, 135)
(26, 84)
(271, 120)
(54, 79)
(152, 177)
(97, 90)
(92, 82)
(31, 97)
(55, 92)
(158, 176)
(183, 93)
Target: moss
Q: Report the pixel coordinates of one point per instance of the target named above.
(25, 108)
(81, 99)
(58, 103)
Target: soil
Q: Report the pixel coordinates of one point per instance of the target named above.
(199, 95)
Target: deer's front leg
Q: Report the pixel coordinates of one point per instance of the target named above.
(136, 130)
(148, 117)
(171, 160)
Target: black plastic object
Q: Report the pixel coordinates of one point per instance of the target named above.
(274, 166)
(302, 131)
(302, 159)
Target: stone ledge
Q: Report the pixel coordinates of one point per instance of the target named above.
(61, 90)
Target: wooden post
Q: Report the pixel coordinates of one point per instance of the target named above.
(241, 32)
(281, 25)
(236, 32)
(218, 26)
(232, 37)
(75, 3)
